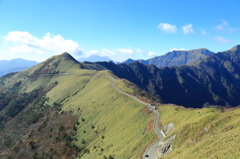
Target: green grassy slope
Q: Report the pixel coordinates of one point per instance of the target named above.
(203, 133)
(111, 124)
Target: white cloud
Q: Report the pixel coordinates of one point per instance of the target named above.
(223, 25)
(121, 54)
(221, 40)
(177, 50)
(204, 32)
(187, 29)
(103, 52)
(124, 50)
(139, 51)
(150, 53)
(94, 52)
(108, 52)
(167, 28)
(25, 43)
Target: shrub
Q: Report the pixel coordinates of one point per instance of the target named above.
(83, 141)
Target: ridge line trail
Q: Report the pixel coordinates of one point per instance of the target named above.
(151, 150)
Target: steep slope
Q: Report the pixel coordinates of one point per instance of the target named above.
(63, 111)
(176, 58)
(211, 81)
(203, 133)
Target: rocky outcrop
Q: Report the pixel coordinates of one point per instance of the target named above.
(165, 146)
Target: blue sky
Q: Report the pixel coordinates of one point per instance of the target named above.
(39, 29)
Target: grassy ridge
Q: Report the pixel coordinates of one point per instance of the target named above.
(109, 121)
(203, 133)
(122, 85)
(110, 124)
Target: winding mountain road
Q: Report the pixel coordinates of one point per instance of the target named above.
(151, 152)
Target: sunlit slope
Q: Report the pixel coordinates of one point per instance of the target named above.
(203, 133)
(111, 124)
(56, 64)
(39, 75)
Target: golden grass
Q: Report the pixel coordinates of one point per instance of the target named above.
(115, 116)
(113, 123)
(203, 133)
(122, 85)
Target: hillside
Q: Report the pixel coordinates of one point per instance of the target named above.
(211, 81)
(176, 58)
(203, 133)
(56, 109)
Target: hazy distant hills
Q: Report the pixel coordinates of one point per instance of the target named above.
(213, 80)
(176, 58)
(15, 65)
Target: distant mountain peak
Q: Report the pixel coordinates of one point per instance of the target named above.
(176, 57)
(128, 61)
(18, 64)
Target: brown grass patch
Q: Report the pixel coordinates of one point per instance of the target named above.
(150, 124)
(231, 109)
(183, 108)
(145, 110)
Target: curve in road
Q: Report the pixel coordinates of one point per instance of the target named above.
(151, 151)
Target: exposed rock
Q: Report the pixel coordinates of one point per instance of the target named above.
(165, 147)
(168, 128)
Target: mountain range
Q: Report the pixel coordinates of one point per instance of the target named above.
(61, 108)
(176, 58)
(15, 65)
(213, 80)
(57, 109)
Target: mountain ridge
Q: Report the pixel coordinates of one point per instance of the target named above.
(57, 109)
(14, 65)
(210, 81)
(60, 109)
(176, 57)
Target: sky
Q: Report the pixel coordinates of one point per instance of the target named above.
(137, 29)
